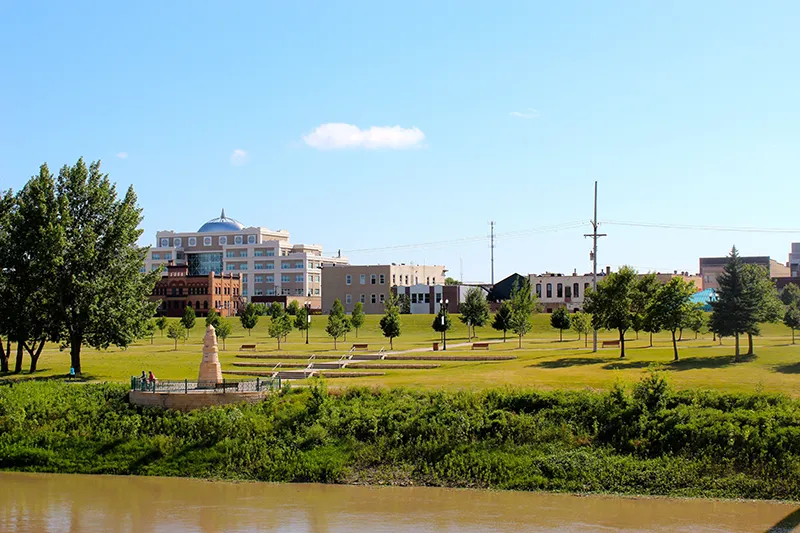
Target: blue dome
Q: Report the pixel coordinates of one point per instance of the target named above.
(222, 223)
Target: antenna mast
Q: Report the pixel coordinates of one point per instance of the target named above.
(594, 235)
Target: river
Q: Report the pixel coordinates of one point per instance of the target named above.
(56, 503)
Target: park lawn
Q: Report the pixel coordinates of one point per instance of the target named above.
(543, 361)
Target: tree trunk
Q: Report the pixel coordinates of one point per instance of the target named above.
(249, 331)
(621, 344)
(651, 339)
(792, 343)
(585, 340)
(391, 343)
(4, 354)
(334, 343)
(695, 334)
(35, 354)
(714, 338)
(356, 333)
(151, 339)
(561, 335)
(520, 341)
(504, 335)
(674, 346)
(736, 353)
(637, 334)
(18, 363)
(749, 344)
(176, 344)
(680, 336)
(279, 342)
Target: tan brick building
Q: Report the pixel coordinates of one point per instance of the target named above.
(372, 284)
(711, 267)
(177, 290)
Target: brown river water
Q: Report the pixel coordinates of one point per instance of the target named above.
(44, 503)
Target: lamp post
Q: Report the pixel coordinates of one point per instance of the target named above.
(444, 323)
(308, 318)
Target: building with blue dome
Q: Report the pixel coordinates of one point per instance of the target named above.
(269, 266)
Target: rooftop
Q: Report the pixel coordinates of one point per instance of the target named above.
(222, 223)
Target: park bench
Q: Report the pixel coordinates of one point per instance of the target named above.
(476, 345)
(227, 385)
(609, 344)
(360, 346)
(248, 347)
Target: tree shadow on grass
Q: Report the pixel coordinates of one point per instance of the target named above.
(621, 364)
(566, 362)
(791, 368)
(10, 378)
(700, 363)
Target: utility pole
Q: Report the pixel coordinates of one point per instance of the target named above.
(491, 246)
(594, 235)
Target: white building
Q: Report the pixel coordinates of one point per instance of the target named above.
(559, 290)
(267, 263)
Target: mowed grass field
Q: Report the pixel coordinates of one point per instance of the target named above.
(542, 361)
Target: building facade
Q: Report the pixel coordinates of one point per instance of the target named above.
(794, 260)
(267, 264)
(426, 299)
(177, 290)
(372, 284)
(711, 267)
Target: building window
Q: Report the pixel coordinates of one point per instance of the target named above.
(372, 279)
(244, 278)
(242, 253)
(259, 279)
(568, 292)
(286, 266)
(559, 290)
(251, 239)
(165, 243)
(156, 256)
(230, 266)
(206, 241)
(285, 278)
(316, 292)
(270, 292)
(259, 292)
(363, 279)
(394, 279)
(585, 287)
(167, 256)
(373, 299)
(229, 253)
(381, 297)
(270, 252)
(177, 241)
(237, 239)
(348, 299)
(382, 279)
(192, 241)
(538, 290)
(223, 240)
(298, 292)
(362, 299)
(413, 297)
(285, 292)
(298, 278)
(258, 253)
(270, 266)
(270, 279)
(299, 264)
(427, 297)
(549, 290)
(348, 279)
(576, 290)
(311, 278)
(258, 266)
(406, 279)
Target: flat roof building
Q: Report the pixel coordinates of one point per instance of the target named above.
(711, 267)
(267, 264)
(177, 290)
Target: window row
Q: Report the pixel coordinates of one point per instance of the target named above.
(177, 242)
(561, 290)
(373, 298)
(374, 279)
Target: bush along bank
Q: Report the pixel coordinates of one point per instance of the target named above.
(652, 440)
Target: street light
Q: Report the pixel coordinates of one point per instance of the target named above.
(308, 318)
(443, 304)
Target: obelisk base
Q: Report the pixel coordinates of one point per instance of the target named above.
(210, 369)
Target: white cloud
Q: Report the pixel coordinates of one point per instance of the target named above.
(334, 135)
(123, 155)
(528, 113)
(238, 157)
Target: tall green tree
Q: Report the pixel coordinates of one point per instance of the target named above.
(103, 293)
(792, 319)
(301, 320)
(451, 281)
(280, 326)
(188, 319)
(249, 318)
(390, 322)
(357, 317)
(150, 330)
(275, 310)
(502, 319)
(611, 304)
(337, 325)
(734, 311)
(695, 319)
(790, 295)
(560, 320)
(474, 310)
(581, 323)
(161, 324)
(176, 332)
(644, 291)
(293, 308)
(7, 200)
(213, 319)
(404, 304)
(523, 305)
(670, 307)
(764, 295)
(223, 330)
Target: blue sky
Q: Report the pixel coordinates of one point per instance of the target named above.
(368, 125)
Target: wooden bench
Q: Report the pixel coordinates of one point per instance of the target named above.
(248, 347)
(227, 385)
(360, 346)
(484, 345)
(609, 344)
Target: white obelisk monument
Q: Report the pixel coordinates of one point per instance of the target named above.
(210, 369)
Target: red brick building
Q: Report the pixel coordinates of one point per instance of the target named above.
(178, 290)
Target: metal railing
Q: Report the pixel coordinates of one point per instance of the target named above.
(227, 385)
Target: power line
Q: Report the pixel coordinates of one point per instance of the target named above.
(693, 227)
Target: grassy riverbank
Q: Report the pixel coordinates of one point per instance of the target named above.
(648, 440)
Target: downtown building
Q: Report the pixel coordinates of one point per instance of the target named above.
(264, 260)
